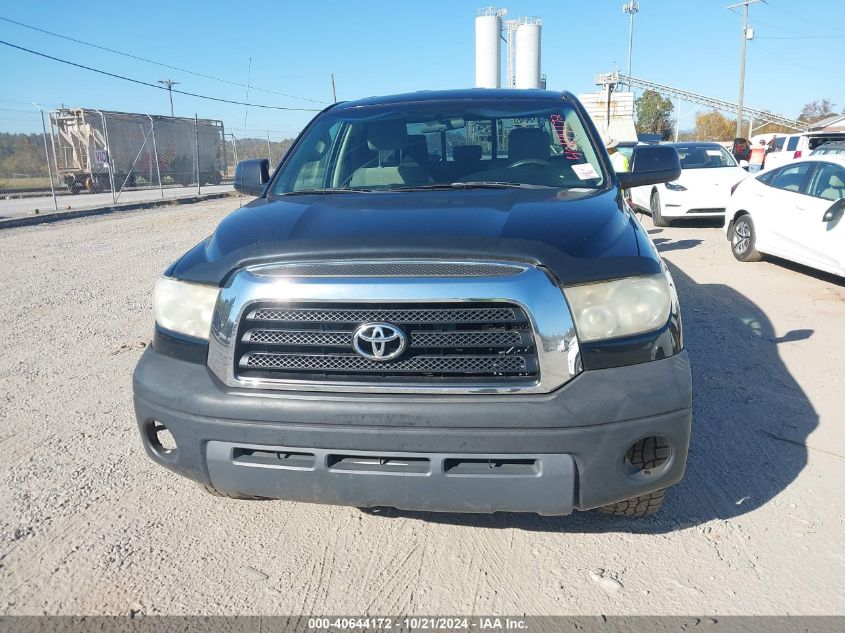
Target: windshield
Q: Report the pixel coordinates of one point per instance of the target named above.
(704, 157)
(830, 149)
(443, 144)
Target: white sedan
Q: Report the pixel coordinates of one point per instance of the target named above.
(708, 172)
(794, 212)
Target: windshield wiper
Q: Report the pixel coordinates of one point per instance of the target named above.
(303, 192)
(480, 184)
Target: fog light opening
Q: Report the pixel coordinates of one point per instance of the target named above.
(648, 457)
(161, 440)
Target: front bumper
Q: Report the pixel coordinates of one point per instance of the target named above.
(546, 453)
(692, 204)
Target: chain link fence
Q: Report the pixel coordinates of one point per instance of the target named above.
(68, 151)
(100, 151)
(250, 143)
(25, 157)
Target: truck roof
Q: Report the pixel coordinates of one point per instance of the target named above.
(479, 94)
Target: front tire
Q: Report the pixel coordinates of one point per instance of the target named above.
(656, 214)
(744, 240)
(636, 507)
(644, 456)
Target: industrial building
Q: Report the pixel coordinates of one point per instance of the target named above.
(522, 38)
(612, 112)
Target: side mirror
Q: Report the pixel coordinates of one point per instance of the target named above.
(835, 211)
(251, 176)
(651, 164)
(744, 164)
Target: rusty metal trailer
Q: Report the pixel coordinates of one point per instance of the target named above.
(100, 150)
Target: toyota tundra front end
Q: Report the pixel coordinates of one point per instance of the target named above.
(439, 301)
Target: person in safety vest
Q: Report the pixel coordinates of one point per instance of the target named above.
(757, 158)
(617, 158)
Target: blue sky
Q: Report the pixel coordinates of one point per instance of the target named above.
(380, 47)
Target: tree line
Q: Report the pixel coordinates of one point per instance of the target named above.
(22, 155)
(655, 114)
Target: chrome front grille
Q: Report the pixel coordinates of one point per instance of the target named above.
(414, 365)
(419, 338)
(444, 342)
(466, 328)
(402, 315)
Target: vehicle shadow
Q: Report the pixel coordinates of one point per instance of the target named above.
(750, 423)
(805, 270)
(664, 244)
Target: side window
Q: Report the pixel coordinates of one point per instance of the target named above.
(779, 143)
(769, 176)
(792, 178)
(828, 182)
(792, 145)
(314, 162)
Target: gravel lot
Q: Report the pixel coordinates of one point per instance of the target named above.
(89, 525)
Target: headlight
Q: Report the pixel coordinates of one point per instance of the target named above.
(673, 186)
(184, 308)
(612, 309)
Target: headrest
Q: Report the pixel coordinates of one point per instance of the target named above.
(416, 149)
(528, 142)
(466, 153)
(835, 181)
(387, 135)
(698, 156)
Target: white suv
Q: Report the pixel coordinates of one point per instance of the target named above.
(792, 146)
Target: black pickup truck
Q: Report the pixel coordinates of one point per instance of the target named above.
(439, 301)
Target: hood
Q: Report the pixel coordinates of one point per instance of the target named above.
(722, 177)
(578, 236)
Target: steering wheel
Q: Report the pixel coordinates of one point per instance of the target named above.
(530, 161)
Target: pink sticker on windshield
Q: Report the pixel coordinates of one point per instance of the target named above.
(566, 136)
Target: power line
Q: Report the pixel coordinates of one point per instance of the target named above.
(145, 83)
(799, 16)
(152, 61)
(798, 64)
(800, 37)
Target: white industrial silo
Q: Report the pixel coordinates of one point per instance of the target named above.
(527, 63)
(488, 28)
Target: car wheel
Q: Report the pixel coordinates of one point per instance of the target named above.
(743, 240)
(656, 215)
(637, 507)
(644, 455)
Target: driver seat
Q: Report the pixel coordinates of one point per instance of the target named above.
(528, 142)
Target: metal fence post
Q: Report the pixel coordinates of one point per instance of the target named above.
(223, 149)
(47, 156)
(197, 151)
(110, 163)
(155, 153)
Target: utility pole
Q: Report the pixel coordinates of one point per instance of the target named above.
(169, 83)
(630, 8)
(744, 4)
(248, 79)
(334, 90)
(678, 120)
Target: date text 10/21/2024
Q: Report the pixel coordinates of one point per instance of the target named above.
(419, 623)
